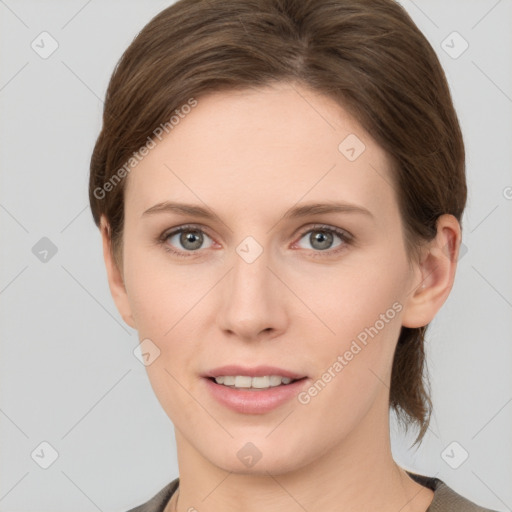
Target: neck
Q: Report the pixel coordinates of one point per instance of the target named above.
(357, 474)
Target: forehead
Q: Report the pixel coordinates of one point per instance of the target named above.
(256, 148)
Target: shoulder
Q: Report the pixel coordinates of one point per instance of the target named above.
(445, 498)
(158, 502)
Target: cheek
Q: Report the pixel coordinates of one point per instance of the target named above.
(353, 367)
(358, 298)
(167, 307)
(362, 309)
(158, 293)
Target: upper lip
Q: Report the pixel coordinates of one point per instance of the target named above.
(254, 371)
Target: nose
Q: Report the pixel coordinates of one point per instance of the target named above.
(254, 300)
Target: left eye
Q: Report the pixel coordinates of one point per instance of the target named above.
(321, 238)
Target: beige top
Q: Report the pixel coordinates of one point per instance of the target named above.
(445, 498)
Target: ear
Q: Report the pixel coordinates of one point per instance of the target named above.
(115, 276)
(434, 275)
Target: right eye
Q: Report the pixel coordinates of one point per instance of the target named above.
(186, 238)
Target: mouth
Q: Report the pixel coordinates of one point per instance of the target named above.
(247, 383)
(254, 378)
(253, 391)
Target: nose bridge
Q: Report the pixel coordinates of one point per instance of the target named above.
(251, 300)
(250, 278)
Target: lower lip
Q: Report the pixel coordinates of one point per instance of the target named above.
(257, 401)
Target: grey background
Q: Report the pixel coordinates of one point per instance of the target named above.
(68, 373)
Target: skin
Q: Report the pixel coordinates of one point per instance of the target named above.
(250, 156)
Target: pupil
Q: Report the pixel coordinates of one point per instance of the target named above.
(188, 237)
(323, 238)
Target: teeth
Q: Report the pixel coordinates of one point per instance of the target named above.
(245, 381)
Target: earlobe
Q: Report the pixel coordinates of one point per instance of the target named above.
(115, 276)
(434, 276)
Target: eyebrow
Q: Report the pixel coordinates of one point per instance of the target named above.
(293, 213)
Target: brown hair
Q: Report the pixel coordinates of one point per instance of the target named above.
(366, 54)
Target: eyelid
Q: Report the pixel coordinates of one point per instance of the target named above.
(327, 227)
(184, 227)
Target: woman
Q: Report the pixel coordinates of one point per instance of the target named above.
(279, 186)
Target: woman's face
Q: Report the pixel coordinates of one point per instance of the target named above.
(261, 280)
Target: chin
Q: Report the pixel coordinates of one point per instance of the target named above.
(248, 459)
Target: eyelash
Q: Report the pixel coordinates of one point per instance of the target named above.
(346, 238)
